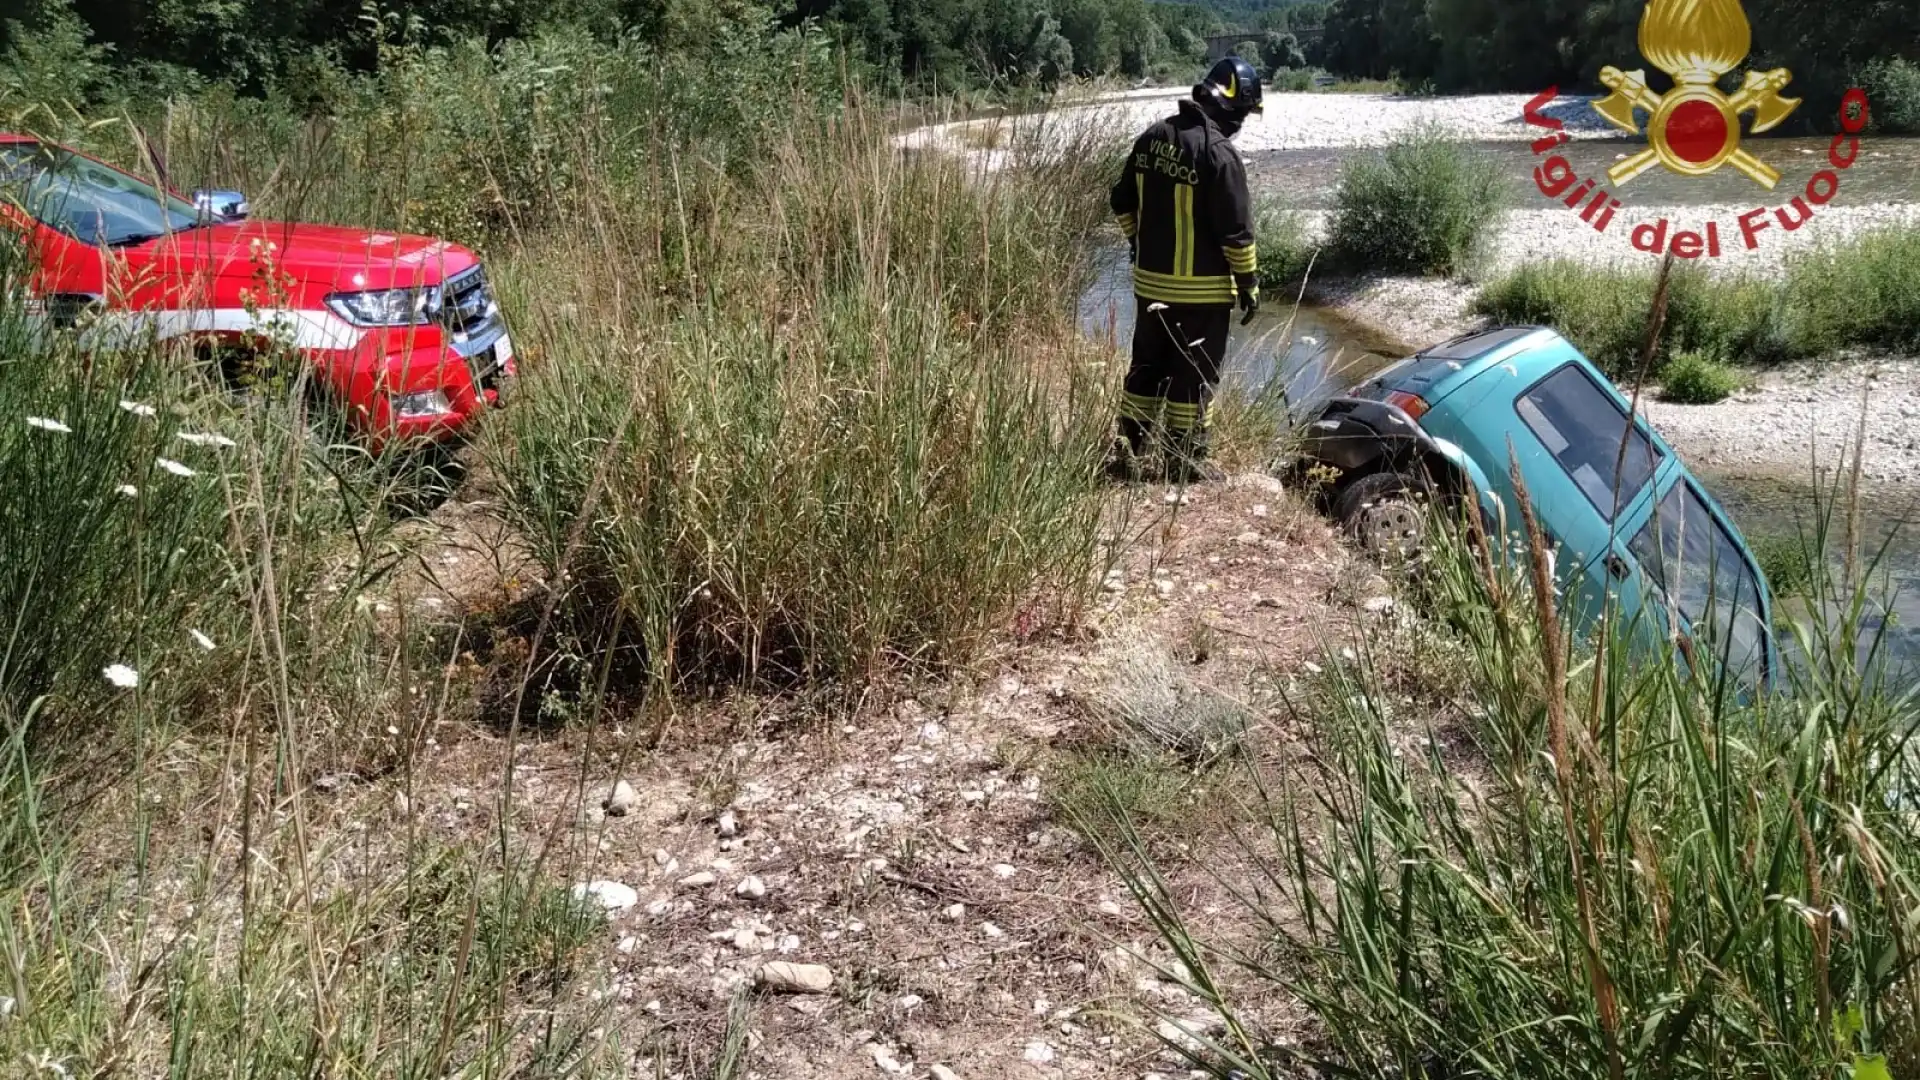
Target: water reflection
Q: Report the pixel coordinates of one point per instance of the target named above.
(1304, 355)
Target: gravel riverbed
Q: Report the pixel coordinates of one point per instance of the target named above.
(1289, 122)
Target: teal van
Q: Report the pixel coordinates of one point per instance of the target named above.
(1624, 516)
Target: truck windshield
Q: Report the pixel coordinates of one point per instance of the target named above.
(1581, 426)
(1699, 573)
(86, 200)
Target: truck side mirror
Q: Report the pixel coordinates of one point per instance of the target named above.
(217, 205)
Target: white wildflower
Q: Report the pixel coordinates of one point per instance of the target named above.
(128, 490)
(1156, 307)
(200, 639)
(138, 409)
(121, 676)
(173, 467)
(205, 438)
(45, 424)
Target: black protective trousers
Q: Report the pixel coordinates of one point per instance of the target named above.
(1177, 353)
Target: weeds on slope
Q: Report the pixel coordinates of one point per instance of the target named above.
(1633, 871)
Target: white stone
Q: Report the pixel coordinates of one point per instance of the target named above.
(1260, 511)
(6, 1009)
(697, 880)
(992, 931)
(1108, 907)
(620, 800)
(1163, 588)
(661, 856)
(1006, 870)
(752, 888)
(611, 895)
(981, 796)
(941, 1072)
(884, 1060)
(910, 1002)
(729, 825)
(956, 912)
(789, 978)
(1380, 605)
(1039, 1053)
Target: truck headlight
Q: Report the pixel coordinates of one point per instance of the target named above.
(422, 403)
(387, 307)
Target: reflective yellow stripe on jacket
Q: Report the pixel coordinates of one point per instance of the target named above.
(1178, 289)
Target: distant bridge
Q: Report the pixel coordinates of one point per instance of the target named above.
(1220, 46)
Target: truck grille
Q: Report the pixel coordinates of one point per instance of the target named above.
(467, 308)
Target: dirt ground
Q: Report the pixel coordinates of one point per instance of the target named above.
(916, 850)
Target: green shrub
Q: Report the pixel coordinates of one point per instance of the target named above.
(1291, 80)
(1893, 90)
(1286, 247)
(1423, 205)
(1786, 563)
(1864, 291)
(1692, 378)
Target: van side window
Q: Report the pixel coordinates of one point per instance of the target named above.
(1696, 568)
(1581, 425)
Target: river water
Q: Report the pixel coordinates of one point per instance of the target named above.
(1309, 354)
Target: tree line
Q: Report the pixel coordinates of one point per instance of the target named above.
(913, 45)
(958, 45)
(1526, 45)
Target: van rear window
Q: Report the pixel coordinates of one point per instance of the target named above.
(1581, 425)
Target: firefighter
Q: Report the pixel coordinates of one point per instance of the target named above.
(1182, 201)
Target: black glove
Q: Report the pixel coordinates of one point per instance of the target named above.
(1133, 250)
(1249, 287)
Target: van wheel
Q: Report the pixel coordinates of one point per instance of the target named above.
(1386, 512)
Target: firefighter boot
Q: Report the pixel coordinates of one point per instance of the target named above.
(1129, 450)
(1187, 459)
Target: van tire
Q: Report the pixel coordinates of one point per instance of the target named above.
(1386, 513)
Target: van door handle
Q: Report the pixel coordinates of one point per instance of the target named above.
(1617, 567)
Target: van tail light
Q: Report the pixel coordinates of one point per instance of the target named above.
(1413, 405)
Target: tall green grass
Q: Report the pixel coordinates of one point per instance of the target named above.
(1604, 867)
(1859, 292)
(794, 407)
(862, 432)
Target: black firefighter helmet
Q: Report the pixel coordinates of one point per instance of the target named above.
(1230, 92)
